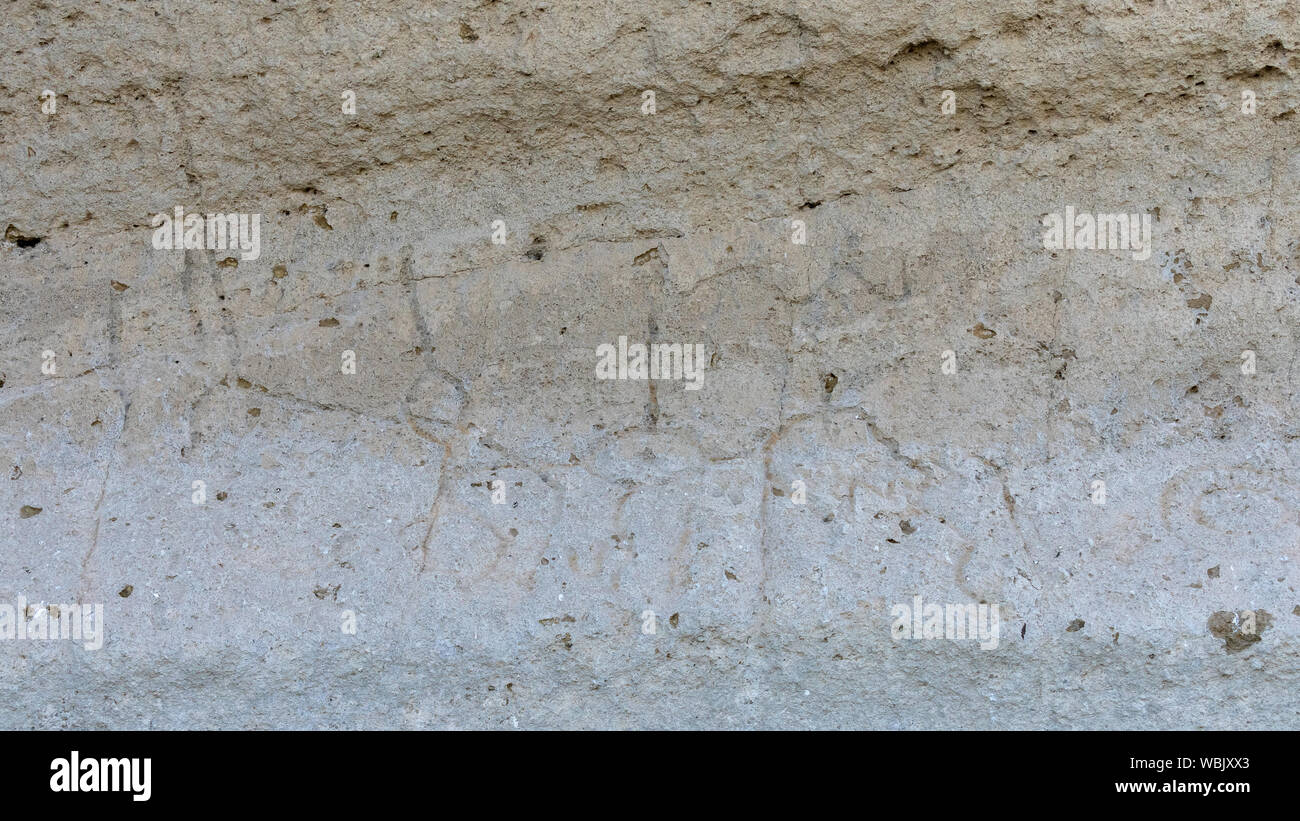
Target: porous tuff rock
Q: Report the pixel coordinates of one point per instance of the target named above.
(371, 492)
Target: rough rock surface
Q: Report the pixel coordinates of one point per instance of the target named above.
(371, 493)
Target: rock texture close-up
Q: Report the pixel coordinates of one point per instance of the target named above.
(392, 463)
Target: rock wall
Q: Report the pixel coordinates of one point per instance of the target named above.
(369, 471)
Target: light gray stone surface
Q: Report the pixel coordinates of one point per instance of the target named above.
(368, 493)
